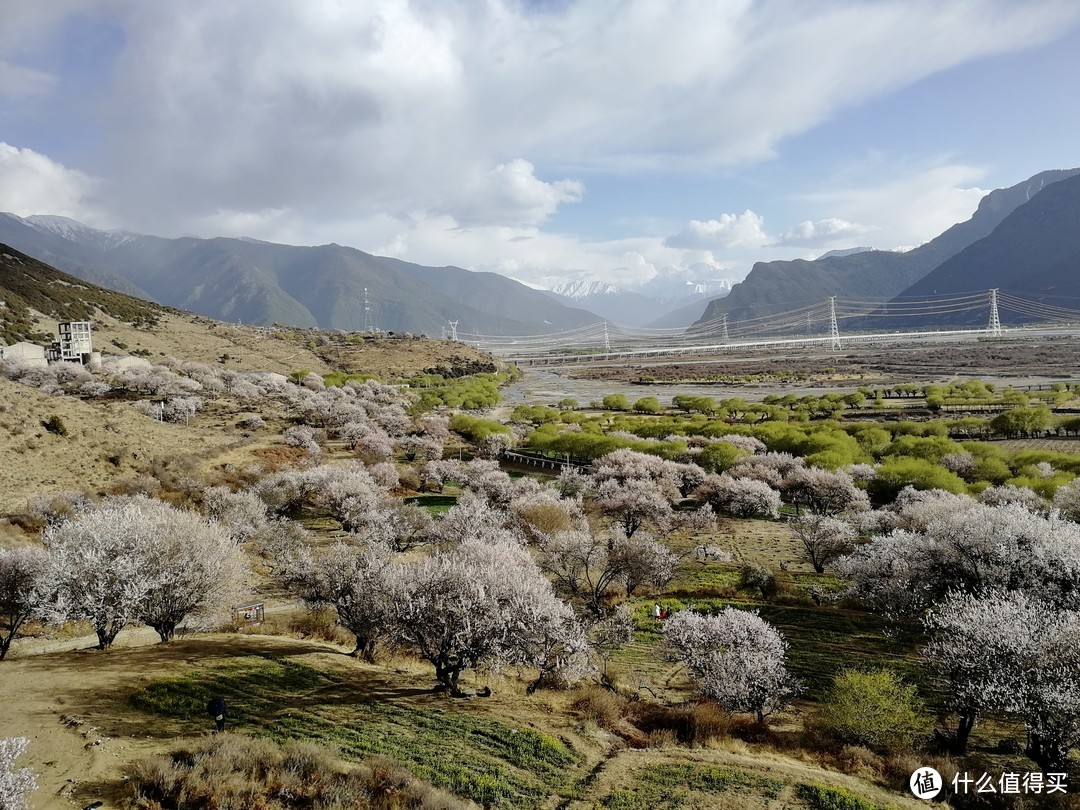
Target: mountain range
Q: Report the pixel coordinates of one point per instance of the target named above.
(1033, 254)
(665, 301)
(877, 276)
(264, 283)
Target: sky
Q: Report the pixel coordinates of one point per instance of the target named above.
(549, 140)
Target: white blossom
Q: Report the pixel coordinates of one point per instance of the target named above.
(736, 657)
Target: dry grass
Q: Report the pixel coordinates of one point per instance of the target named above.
(231, 772)
(108, 444)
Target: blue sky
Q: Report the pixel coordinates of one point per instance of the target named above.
(548, 141)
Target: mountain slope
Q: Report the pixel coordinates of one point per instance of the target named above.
(264, 283)
(1034, 253)
(29, 288)
(780, 286)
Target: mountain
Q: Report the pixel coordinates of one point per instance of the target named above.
(29, 289)
(782, 286)
(694, 283)
(844, 252)
(264, 283)
(1034, 254)
(681, 317)
(675, 299)
(608, 301)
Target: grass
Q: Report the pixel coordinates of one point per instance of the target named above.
(437, 505)
(675, 785)
(471, 755)
(820, 797)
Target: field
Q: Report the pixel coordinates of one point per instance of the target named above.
(90, 714)
(95, 711)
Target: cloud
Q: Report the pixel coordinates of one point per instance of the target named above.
(403, 107)
(729, 232)
(823, 232)
(912, 203)
(31, 183)
(17, 81)
(511, 194)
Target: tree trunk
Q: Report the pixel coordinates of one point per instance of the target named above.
(963, 732)
(5, 643)
(107, 634)
(1048, 754)
(447, 675)
(365, 649)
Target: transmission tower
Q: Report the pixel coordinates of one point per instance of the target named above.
(834, 330)
(723, 328)
(607, 340)
(809, 324)
(369, 321)
(453, 330)
(994, 328)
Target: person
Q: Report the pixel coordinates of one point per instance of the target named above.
(663, 614)
(216, 709)
(656, 611)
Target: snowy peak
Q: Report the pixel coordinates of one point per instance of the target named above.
(678, 289)
(582, 289)
(74, 231)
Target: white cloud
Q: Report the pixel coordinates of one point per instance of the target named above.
(511, 194)
(824, 232)
(912, 206)
(399, 107)
(729, 232)
(31, 183)
(452, 132)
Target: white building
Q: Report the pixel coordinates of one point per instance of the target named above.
(74, 344)
(30, 354)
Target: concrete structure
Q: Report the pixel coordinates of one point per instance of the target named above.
(23, 352)
(74, 345)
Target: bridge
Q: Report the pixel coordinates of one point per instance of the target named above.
(815, 324)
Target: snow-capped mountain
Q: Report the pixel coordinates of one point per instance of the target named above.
(682, 288)
(75, 231)
(643, 304)
(581, 289)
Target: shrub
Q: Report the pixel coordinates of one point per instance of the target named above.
(820, 797)
(55, 425)
(874, 709)
(232, 772)
(603, 707)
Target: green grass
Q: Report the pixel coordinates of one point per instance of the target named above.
(469, 754)
(436, 504)
(820, 797)
(822, 640)
(669, 786)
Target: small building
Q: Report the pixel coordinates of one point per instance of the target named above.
(24, 352)
(252, 613)
(74, 345)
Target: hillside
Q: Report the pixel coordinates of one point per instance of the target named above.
(1033, 253)
(35, 296)
(29, 288)
(781, 286)
(243, 280)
